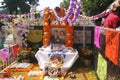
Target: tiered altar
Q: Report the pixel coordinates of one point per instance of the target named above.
(57, 55)
(59, 58)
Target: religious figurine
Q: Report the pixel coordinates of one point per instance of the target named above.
(46, 71)
(59, 72)
(33, 6)
(71, 75)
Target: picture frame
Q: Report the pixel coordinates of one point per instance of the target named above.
(81, 36)
(58, 35)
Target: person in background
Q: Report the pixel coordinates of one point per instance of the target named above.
(98, 22)
(0, 35)
(113, 19)
(118, 28)
(16, 35)
(3, 30)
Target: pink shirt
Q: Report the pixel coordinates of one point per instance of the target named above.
(112, 21)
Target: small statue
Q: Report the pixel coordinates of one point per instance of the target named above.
(71, 75)
(59, 72)
(53, 72)
(33, 6)
(46, 71)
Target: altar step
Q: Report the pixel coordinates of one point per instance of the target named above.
(80, 73)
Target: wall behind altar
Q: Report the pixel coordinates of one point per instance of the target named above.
(35, 37)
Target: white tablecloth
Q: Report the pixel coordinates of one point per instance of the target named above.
(42, 57)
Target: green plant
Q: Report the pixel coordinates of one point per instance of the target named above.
(26, 54)
(87, 53)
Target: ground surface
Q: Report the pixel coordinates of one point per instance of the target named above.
(80, 73)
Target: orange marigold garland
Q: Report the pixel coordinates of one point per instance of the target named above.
(49, 17)
(46, 36)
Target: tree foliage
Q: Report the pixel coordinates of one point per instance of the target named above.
(93, 7)
(65, 4)
(17, 5)
(90, 7)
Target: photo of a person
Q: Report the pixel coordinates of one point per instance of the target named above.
(58, 35)
(55, 37)
(62, 36)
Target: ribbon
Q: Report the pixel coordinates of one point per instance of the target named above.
(60, 53)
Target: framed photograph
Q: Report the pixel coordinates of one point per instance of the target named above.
(81, 35)
(88, 36)
(35, 37)
(78, 36)
(58, 35)
(36, 32)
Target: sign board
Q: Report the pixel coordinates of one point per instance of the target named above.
(35, 35)
(86, 22)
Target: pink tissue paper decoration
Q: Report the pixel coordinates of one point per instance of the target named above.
(97, 36)
(4, 55)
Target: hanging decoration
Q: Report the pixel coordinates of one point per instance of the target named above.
(51, 22)
(46, 35)
(70, 11)
(4, 54)
(75, 6)
(76, 10)
(23, 34)
(109, 10)
(76, 14)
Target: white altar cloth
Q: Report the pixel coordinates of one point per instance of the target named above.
(70, 58)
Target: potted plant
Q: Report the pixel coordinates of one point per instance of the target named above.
(88, 55)
(25, 55)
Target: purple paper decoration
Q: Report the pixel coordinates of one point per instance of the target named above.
(77, 12)
(70, 11)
